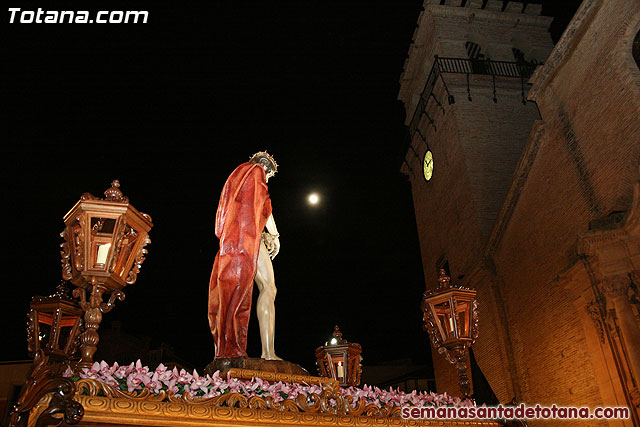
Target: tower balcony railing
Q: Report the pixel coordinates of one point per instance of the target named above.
(521, 70)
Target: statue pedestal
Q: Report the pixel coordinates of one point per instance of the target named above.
(255, 364)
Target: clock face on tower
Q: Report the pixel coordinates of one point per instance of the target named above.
(427, 165)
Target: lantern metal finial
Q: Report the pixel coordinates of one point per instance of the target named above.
(62, 292)
(445, 281)
(337, 334)
(114, 194)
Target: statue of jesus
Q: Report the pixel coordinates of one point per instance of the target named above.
(246, 251)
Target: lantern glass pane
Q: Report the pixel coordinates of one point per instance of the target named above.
(101, 253)
(338, 363)
(44, 334)
(445, 318)
(66, 326)
(102, 226)
(341, 368)
(126, 245)
(102, 233)
(462, 311)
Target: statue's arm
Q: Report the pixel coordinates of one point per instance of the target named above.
(273, 230)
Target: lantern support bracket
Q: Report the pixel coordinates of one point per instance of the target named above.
(46, 378)
(93, 310)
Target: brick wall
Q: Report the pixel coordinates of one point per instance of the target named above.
(493, 135)
(583, 170)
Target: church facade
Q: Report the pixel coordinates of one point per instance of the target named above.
(524, 166)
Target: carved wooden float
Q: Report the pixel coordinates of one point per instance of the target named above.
(107, 406)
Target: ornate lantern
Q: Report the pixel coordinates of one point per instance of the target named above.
(103, 249)
(340, 360)
(54, 324)
(451, 318)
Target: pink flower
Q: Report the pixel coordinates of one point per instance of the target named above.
(141, 369)
(123, 371)
(68, 372)
(200, 383)
(110, 381)
(216, 380)
(134, 382)
(303, 391)
(165, 374)
(254, 385)
(171, 386)
(154, 384)
(235, 386)
(91, 373)
(105, 369)
(184, 377)
(138, 376)
(212, 393)
(166, 378)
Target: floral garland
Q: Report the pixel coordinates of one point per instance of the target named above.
(135, 377)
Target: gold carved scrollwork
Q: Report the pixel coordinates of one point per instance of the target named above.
(475, 328)
(248, 374)
(133, 274)
(329, 401)
(430, 325)
(105, 405)
(106, 307)
(97, 227)
(96, 388)
(65, 254)
(44, 379)
(78, 242)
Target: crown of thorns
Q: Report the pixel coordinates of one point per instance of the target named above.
(264, 155)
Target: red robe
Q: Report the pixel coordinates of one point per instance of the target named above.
(242, 214)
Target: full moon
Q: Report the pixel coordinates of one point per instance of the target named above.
(313, 199)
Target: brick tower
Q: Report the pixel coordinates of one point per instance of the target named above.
(535, 204)
(464, 88)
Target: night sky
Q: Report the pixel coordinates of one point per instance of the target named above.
(170, 108)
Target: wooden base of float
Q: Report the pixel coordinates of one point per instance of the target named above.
(106, 406)
(255, 364)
